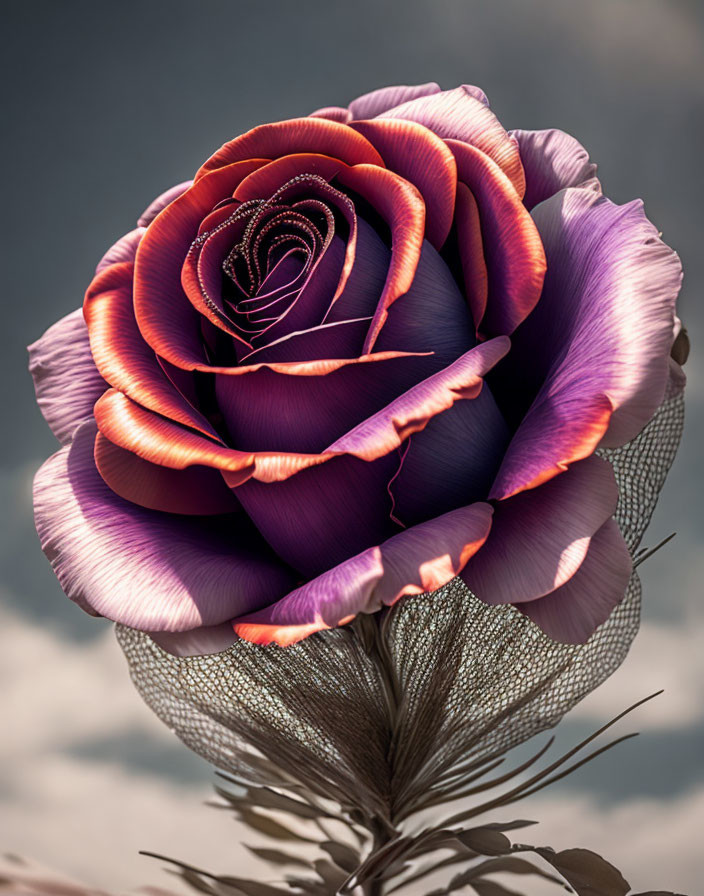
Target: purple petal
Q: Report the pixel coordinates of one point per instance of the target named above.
(418, 560)
(540, 538)
(195, 490)
(149, 570)
(161, 201)
(594, 355)
(66, 380)
(378, 101)
(572, 613)
(321, 516)
(553, 160)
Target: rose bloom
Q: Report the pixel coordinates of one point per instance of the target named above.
(361, 353)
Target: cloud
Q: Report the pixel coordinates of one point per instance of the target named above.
(662, 657)
(654, 843)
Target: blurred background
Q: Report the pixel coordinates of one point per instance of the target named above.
(109, 103)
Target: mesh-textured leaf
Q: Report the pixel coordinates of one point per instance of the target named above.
(381, 713)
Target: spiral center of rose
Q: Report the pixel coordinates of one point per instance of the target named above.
(277, 258)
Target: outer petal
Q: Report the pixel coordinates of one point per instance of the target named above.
(161, 201)
(512, 247)
(540, 538)
(66, 380)
(332, 113)
(146, 569)
(459, 115)
(124, 250)
(378, 101)
(572, 613)
(282, 138)
(422, 158)
(552, 160)
(596, 349)
(122, 355)
(195, 491)
(420, 559)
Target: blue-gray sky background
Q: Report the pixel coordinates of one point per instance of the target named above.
(109, 103)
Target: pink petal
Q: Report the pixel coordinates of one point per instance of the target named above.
(332, 113)
(145, 569)
(378, 101)
(161, 201)
(124, 250)
(552, 160)
(66, 380)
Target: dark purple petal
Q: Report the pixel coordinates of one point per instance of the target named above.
(265, 410)
(149, 570)
(432, 316)
(66, 380)
(321, 516)
(342, 339)
(365, 283)
(452, 462)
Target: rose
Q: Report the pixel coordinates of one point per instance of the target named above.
(361, 353)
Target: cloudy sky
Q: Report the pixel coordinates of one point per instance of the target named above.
(109, 103)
